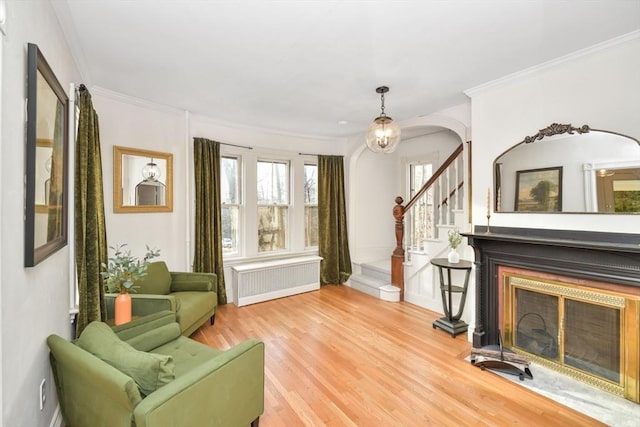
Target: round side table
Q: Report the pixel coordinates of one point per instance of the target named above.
(452, 323)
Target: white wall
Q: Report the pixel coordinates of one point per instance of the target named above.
(34, 301)
(599, 89)
(135, 123)
(146, 126)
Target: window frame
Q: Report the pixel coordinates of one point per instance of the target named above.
(289, 205)
(306, 205)
(240, 204)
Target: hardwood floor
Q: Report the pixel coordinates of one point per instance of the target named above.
(338, 357)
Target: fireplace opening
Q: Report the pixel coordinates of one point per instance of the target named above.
(571, 328)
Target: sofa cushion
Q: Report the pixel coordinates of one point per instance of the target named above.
(157, 281)
(187, 354)
(150, 371)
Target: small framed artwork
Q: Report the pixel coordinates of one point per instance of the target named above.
(539, 190)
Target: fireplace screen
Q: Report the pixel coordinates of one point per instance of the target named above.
(592, 339)
(537, 323)
(573, 328)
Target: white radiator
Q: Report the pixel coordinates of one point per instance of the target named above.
(261, 281)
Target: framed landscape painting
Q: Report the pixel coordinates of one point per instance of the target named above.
(539, 190)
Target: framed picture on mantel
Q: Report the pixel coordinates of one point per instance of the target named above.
(539, 190)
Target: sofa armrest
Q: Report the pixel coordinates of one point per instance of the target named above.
(90, 391)
(144, 304)
(145, 324)
(185, 281)
(227, 390)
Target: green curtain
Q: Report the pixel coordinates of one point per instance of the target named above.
(333, 245)
(208, 222)
(90, 228)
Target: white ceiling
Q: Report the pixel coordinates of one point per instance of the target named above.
(303, 66)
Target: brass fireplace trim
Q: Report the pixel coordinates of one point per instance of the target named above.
(578, 293)
(605, 385)
(628, 305)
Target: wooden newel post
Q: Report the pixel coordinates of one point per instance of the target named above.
(397, 258)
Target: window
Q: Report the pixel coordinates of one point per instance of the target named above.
(231, 203)
(422, 222)
(273, 205)
(310, 205)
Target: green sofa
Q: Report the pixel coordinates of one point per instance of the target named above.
(201, 386)
(191, 296)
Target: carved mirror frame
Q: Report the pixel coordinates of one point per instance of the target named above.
(590, 169)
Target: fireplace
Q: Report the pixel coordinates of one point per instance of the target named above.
(568, 299)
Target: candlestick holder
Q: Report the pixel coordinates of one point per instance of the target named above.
(488, 224)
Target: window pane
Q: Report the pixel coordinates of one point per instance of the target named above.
(422, 221)
(273, 183)
(311, 184)
(272, 228)
(229, 182)
(310, 226)
(230, 217)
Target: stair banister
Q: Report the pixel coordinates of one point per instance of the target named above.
(397, 258)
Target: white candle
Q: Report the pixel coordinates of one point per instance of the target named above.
(489, 202)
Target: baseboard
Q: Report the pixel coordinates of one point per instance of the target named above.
(57, 420)
(424, 301)
(277, 294)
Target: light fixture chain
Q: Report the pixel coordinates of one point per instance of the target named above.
(382, 104)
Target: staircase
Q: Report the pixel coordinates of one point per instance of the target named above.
(422, 227)
(374, 278)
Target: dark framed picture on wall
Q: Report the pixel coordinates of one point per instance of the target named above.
(46, 169)
(539, 190)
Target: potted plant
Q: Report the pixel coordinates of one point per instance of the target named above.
(454, 241)
(120, 276)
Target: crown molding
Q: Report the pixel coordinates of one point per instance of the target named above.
(257, 129)
(552, 63)
(62, 12)
(132, 100)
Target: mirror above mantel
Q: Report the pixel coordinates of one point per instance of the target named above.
(566, 169)
(142, 180)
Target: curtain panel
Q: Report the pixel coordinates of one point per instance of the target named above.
(90, 228)
(333, 244)
(208, 218)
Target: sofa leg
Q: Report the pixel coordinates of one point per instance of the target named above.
(256, 422)
(213, 319)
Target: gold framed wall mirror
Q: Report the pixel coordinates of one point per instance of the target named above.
(142, 180)
(570, 170)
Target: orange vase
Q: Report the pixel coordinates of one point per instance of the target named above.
(123, 308)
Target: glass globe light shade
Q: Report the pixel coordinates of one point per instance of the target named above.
(383, 136)
(151, 172)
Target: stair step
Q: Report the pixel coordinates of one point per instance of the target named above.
(367, 284)
(379, 269)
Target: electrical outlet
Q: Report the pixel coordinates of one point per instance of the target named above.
(43, 395)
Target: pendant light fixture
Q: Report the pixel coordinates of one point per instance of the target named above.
(151, 171)
(383, 136)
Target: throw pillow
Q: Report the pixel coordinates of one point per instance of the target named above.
(150, 371)
(157, 281)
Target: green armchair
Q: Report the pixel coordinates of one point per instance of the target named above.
(206, 387)
(191, 296)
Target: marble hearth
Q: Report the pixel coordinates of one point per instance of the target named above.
(580, 291)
